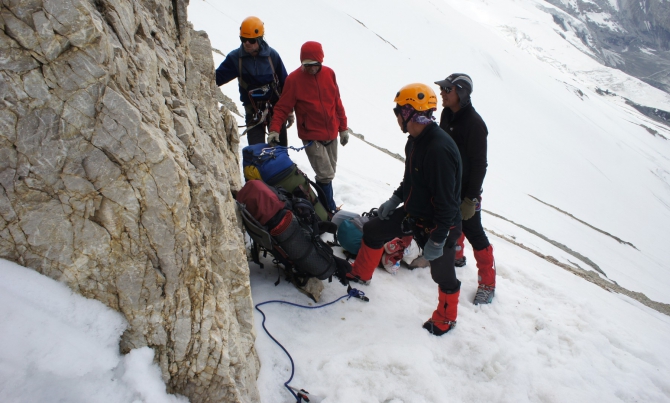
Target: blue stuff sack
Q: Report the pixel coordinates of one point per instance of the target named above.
(269, 161)
(349, 236)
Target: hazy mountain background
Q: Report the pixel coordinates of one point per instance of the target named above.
(629, 35)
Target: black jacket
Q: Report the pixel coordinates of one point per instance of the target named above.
(431, 186)
(469, 132)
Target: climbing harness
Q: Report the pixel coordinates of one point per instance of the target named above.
(301, 395)
(260, 95)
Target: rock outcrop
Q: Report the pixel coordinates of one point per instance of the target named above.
(116, 172)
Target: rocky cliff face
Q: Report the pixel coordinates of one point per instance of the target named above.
(116, 171)
(630, 35)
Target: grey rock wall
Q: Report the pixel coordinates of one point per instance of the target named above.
(116, 172)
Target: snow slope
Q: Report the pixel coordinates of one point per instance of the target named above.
(573, 175)
(56, 346)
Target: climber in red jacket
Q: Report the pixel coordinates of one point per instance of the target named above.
(311, 90)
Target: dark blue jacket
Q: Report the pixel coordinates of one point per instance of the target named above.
(431, 186)
(256, 70)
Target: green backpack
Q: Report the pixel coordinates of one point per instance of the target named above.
(297, 183)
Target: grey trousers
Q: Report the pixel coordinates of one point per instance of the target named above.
(323, 159)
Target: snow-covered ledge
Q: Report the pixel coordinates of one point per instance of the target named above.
(116, 171)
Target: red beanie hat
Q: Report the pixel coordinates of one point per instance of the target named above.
(311, 51)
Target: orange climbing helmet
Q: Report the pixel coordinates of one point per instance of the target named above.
(252, 27)
(420, 96)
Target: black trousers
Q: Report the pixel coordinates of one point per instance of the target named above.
(474, 232)
(377, 232)
(256, 135)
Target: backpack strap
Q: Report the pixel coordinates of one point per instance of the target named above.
(272, 66)
(243, 84)
(372, 213)
(256, 230)
(275, 78)
(320, 194)
(304, 212)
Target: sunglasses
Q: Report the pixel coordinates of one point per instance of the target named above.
(397, 110)
(250, 40)
(447, 89)
(312, 65)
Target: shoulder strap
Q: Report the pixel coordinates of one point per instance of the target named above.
(274, 77)
(272, 66)
(242, 83)
(304, 210)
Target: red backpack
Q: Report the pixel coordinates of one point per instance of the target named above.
(262, 201)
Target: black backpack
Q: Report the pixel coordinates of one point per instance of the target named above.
(291, 234)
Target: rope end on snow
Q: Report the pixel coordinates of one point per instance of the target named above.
(353, 292)
(303, 396)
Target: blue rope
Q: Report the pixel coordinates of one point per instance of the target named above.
(351, 293)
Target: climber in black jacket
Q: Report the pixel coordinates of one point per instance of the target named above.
(430, 196)
(460, 120)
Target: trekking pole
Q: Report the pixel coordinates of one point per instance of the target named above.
(302, 395)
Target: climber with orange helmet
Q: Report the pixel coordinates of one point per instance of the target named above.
(261, 74)
(430, 194)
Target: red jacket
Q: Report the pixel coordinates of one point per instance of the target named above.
(315, 98)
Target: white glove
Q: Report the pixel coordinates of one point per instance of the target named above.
(344, 136)
(273, 138)
(290, 119)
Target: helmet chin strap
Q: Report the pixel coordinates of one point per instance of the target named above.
(404, 122)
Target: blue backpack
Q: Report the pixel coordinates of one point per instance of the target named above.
(260, 161)
(350, 231)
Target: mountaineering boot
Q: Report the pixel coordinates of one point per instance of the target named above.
(484, 294)
(486, 276)
(460, 258)
(328, 193)
(419, 262)
(444, 317)
(365, 264)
